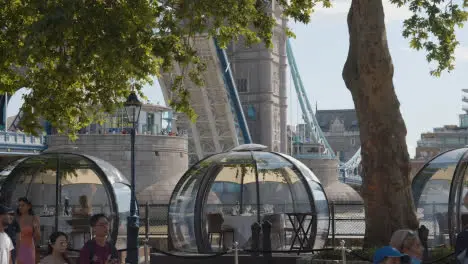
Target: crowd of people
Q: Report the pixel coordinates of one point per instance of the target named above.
(17, 242)
(20, 230)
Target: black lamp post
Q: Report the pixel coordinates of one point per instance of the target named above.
(133, 108)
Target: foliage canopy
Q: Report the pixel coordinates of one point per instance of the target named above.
(77, 56)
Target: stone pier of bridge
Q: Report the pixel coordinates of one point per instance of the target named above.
(327, 172)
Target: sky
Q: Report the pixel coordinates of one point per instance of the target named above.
(320, 50)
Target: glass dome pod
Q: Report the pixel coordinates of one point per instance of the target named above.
(440, 193)
(218, 199)
(78, 185)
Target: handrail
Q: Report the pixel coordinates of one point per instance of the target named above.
(21, 139)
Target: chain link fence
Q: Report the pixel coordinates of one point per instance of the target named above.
(153, 219)
(346, 220)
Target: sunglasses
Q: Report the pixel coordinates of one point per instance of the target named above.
(408, 234)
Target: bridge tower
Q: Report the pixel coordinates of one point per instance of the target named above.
(260, 74)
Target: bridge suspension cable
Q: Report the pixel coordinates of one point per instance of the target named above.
(307, 112)
(348, 169)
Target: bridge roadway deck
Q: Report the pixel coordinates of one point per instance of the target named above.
(215, 129)
(20, 144)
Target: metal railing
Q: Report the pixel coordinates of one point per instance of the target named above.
(312, 156)
(19, 138)
(347, 219)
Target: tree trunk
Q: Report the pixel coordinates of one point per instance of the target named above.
(368, 74)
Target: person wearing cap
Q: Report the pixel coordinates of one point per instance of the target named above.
(407, 241)
(6, 245)
(390, 255)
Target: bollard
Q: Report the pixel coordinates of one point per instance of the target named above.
(146, 232)
(146, 251)
(236, 253)
(256, 228)
(333, 223)
(147, 219)
(423, 233)
(343, 251)
(266, 232)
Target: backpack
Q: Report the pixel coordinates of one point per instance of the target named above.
(91, 246)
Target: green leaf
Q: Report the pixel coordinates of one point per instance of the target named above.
(78, 58)
(432, 28)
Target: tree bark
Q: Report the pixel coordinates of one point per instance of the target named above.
(368, 74)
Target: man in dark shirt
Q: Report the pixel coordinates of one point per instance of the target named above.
(98, 250)
(13, 231)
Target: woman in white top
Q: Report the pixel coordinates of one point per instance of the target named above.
(6, 246)
(57, 254)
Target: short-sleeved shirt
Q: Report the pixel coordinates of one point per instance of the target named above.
(101, 254)
(6, 246)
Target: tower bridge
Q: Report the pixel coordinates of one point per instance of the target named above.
(244, 100)
(258, 76)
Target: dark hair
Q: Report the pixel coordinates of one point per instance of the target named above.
(26, 201)
(84, 201)
(93, 220)
(52, 239)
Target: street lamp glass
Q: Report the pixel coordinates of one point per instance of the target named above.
(133, 108)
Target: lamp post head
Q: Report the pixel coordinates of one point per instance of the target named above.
(133, 108)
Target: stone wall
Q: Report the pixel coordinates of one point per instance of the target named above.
(261, 77)
(160, 160)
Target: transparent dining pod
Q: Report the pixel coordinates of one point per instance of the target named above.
(217, 201)
(440, 192)
(65, 190)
